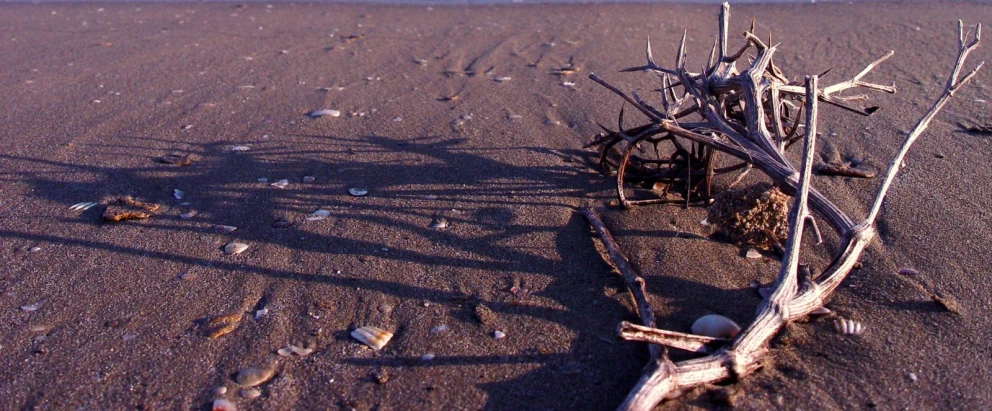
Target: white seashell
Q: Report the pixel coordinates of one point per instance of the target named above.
(235, 248)
(34, 249)
(82, 206)
(501, 79)
(32, 307)
(716, 326)
(439, 223)
(178, 194)
(319, 215)
(322, 113)
(221, 404)
(427, 357)
(372, 336)
(846, 326)
(499, 335)
(261, 313)
(704, 223)
(252, 376)
(225, 228)
(240, 148)
(752, 253)
(280, 184)
(439, 329)
(309, 179)
(568, 84)
(820, 311)
(357, 192)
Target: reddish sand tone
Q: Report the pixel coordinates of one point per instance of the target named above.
(95, 94)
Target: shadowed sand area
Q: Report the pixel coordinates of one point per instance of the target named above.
(460, 113)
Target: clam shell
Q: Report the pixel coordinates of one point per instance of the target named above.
(372, 336)
(849, 327)
(252, 376)
(221, 404)
(357, 192)
(235, 248)
(716, 326)
(82, 206)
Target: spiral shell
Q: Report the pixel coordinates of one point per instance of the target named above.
(850, 327)
(372, 336)
(716, 326)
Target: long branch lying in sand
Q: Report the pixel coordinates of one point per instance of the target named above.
(751, 115)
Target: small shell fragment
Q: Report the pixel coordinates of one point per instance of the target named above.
(250, 393)
(357, 192)
(178, 194)
(319, 215)
(439, 223)
(292, 349)
(908, 271)
(427, 357)
(235, 248)
(439, 329)
(322, 113)
(225, 228)
(372, 336)
(221, 404)
(309, 179)
(82, 206)
(188, 215)
(263, 180)
(32, 307)
(240, 148)
(252, 376)
(280, 184)
(752, 253)
(499, 335)
(716, 326)
(849, 327)
(261, 313)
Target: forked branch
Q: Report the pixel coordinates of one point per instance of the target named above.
(743, 114)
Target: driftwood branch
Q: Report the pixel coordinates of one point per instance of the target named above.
(743, 114)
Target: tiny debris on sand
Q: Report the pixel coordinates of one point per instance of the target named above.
(222, 324)
(127, 208)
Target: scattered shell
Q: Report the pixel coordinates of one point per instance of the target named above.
(221, 404)
(704, 223)
(372, 336)
(82, 206)
(439, 329)
(292, 349)
(501, 79)
(716, 326)
(261, 313)
(322, 113)
(252, 376)
(280, 184)
(908, 271)
(225, 228)
(309, 179)
(235, 248)
(499, 334)
(850, 327)
(222, 324)
(34, 249)
(427, 357)
(357, 192)
(319, 215)
(913, 377)
(178, 194)
(32, 307)
(439, 223)
(240, 148)
(820, 311)
(220, 390)
(263, 180)
(752, 253)
(176, 159)
(188, 215)
(250, 393)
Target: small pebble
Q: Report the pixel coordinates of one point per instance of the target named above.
(250, 394)
(235, 248)
(385, 308)
(220, 390)
(187, 215)
(252, 376)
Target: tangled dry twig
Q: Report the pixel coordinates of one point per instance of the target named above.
(753, 115)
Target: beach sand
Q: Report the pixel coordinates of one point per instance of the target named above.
(455, 113)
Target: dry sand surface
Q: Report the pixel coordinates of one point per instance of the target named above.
(455, 113)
